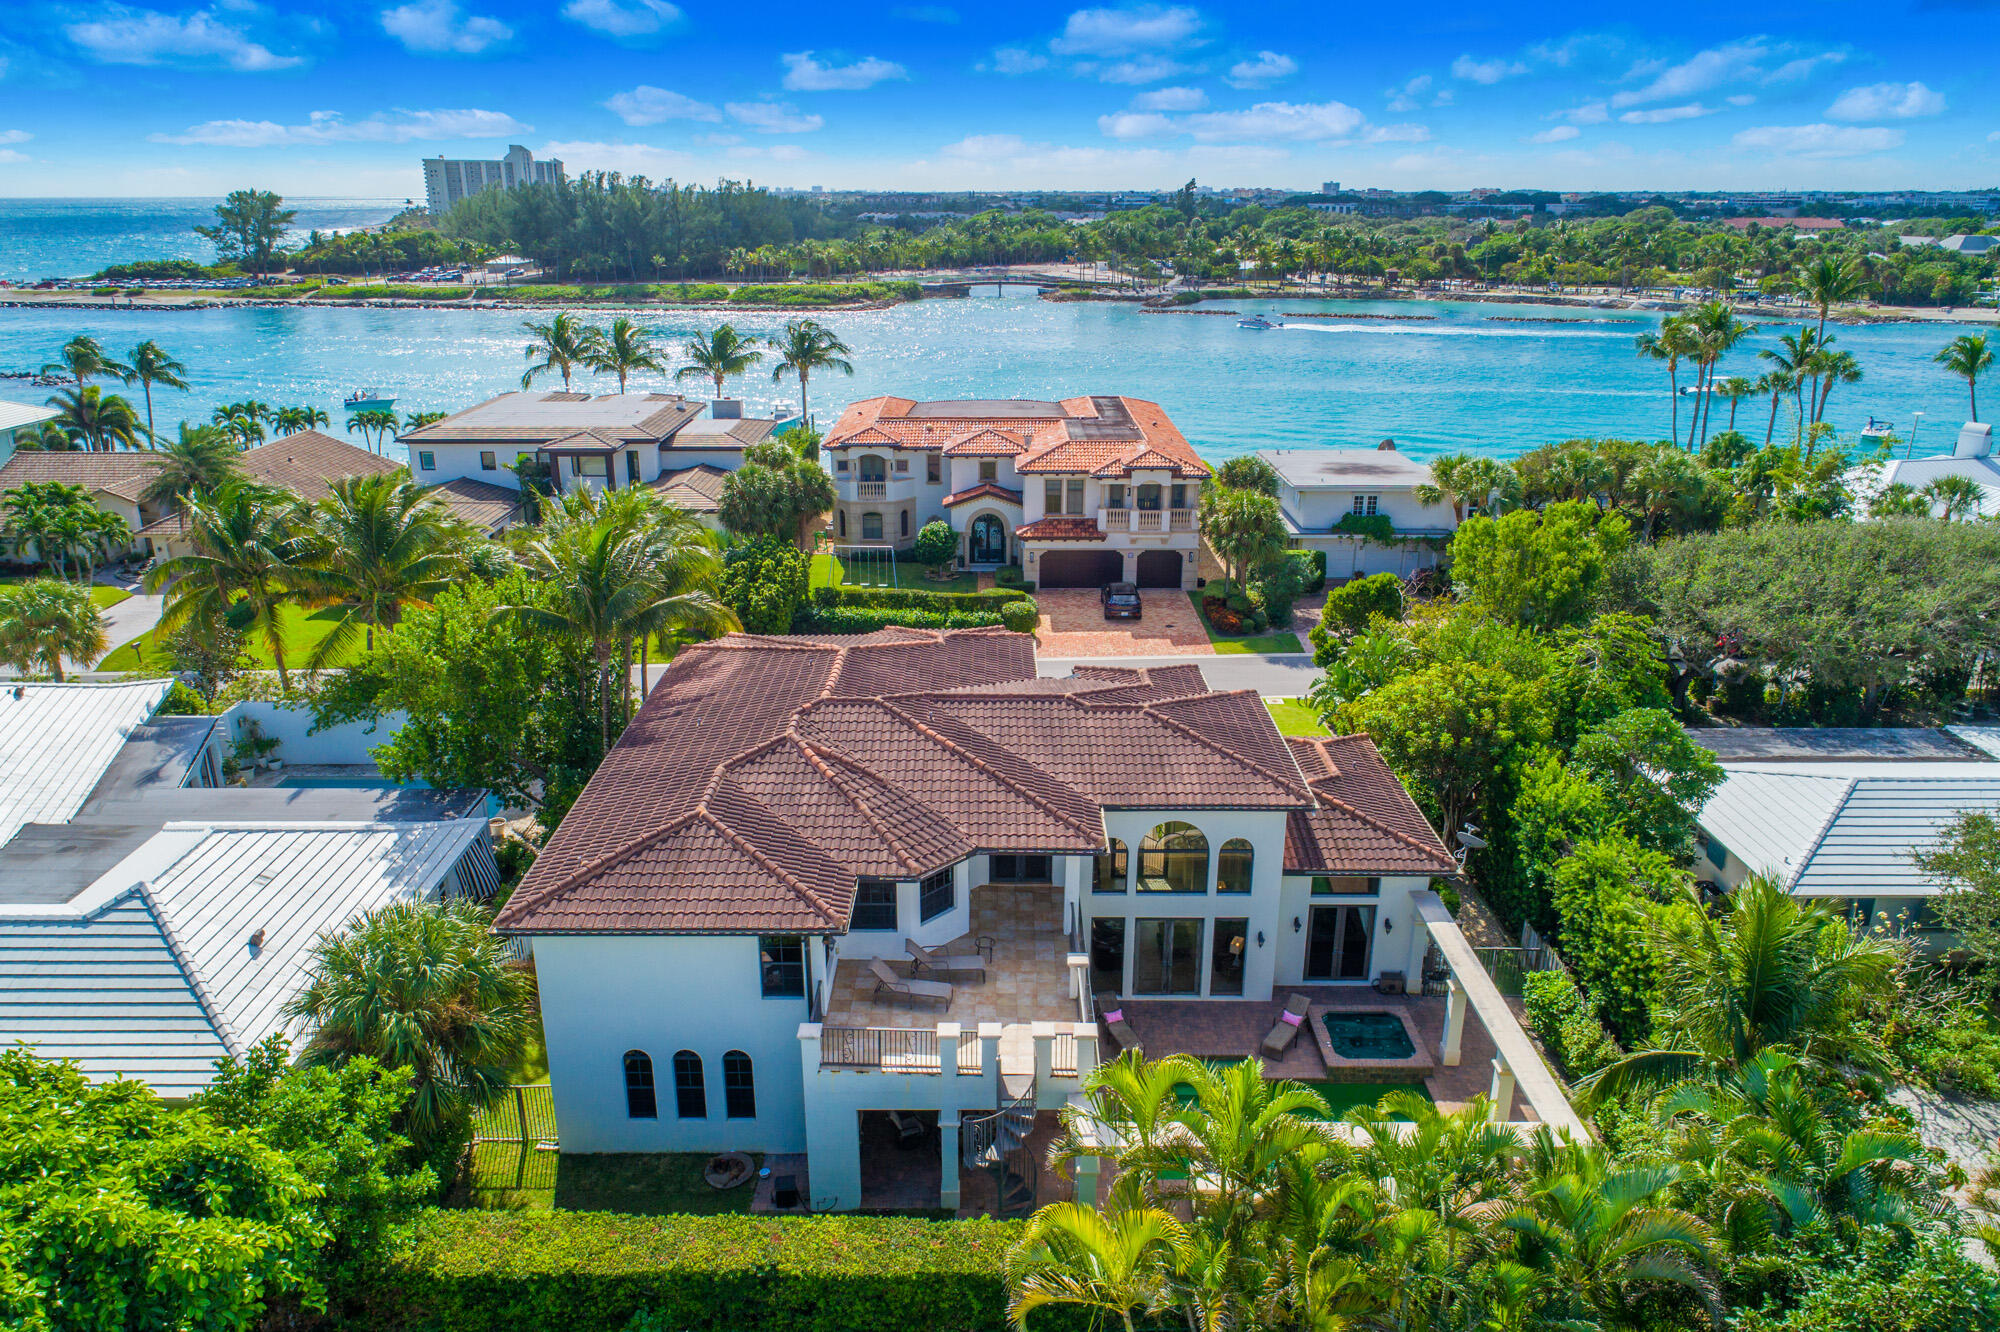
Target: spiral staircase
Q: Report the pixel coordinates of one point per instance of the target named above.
(997, 1143)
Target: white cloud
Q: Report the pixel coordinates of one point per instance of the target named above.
(630, 159)
(1139, 69)
(119, 35)
(1268, 67)
(773, 117)
(1554, 134)
(1662, 115)
(1171, 99)
(11, 155)
(623, 18)
(1486, 71)
(1741, 99)
(1406, 97)
(1136, 125)
(1117, 32)
(1887, 101)
(440, 26)
(1397, 134)
(1017, 60)
(1804, 66)
(786, 152)
(323, 127)
(1732, 62)
(1820, 140)
(1575, 48)
(1590, 113)
(647, 105)
(1304, 122)
(15, 136)
(805, 74)
(986, 145)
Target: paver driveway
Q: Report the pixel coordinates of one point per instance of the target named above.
(1073, 625)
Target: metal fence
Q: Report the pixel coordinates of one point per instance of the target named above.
(524, 1114)
(908, 1049)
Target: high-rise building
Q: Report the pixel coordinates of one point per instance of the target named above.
(1329, 187)
(447, 180)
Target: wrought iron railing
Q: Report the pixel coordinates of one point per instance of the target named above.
(902, 1049)
(525, 1113)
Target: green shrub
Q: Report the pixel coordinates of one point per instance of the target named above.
(392, 292)
(817, 619)
(915, 598)
(1349, 609)
(1563, 1020)
(183, 701)
(764, 581)
(1022, 617)
(598, 1272)
(936, 543)
(1009, 575)
(824, 293)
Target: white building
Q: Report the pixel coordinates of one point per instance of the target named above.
(1836, 814)
(1319, 489)
(1079, 493)
(725, 924)
(19, 418)
(1971, 458)
(447, 180)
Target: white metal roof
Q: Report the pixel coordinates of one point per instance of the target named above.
(1844, 829)
(1345, 469)
(56, 740)
(1870, 479)
(151, 973)
(14, 415)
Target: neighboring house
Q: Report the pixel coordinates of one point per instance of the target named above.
(785, 815)
(1319, 488)
(152, 919)
(601, 442)
(19, 416)
(1079, 493)
(115, 480)
(1971, 457)
(1837, 813)
(304, 463)
(1965, 244)
(697, 489)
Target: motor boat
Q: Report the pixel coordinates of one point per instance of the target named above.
(369, 400)
(1257, 322)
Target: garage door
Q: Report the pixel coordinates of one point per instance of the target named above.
(1160, 568)
(1079, 568)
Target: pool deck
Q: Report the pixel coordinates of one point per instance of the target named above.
(321, 773)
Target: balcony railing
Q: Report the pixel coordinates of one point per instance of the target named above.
(903, 1049)
(1181, 520)
(1062, 1055)
(871, 490)
(971, 1055)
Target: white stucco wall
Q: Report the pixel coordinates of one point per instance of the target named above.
(347, 743)
(1321, 509)
(1395, 928)
(603, 995)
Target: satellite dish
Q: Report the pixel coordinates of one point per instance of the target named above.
(1467, 837)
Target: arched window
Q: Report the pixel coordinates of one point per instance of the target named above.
(1232, 866)
(1173, 858)
(690, 1095)
(739, 1088)
(1111, 869)
(873, 468)
(639, 1099)
(906, 522)
(842, 517)
(871, 527)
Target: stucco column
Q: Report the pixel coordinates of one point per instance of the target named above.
(947, 1037)
(833, 1136)
(1044, 1034)
(1190, 566)
(1131, 558)
(1086, 1048)
(1454, 1024)
(948, 1160)
(1086, 1180)
(1502, 1091)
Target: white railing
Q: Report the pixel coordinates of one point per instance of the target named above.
(1115, 520)
(871, 490)
(1181, 520)
(1149, 520)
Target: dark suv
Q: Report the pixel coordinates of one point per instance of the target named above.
(1121, 601)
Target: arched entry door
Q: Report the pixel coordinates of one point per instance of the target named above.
(986, 541)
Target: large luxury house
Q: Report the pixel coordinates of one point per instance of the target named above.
(675, 444)
(828, 895)
(1079, 493)
(1336, 500)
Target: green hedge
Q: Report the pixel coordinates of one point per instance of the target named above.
(593, 1271)
(824, 293)
(867, 619)
(390, 292)
(916, 598)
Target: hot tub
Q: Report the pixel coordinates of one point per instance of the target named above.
(1368, 1036)
(1369, 1045)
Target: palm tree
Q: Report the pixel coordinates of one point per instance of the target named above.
(424, 986)
(1445, 486)
(377, 544)
(1112, 1262)
(807, 345)
(201, 461)
(625, 349)
(1675, 340)
(152, 365)
(373, 425)
(240, 422)
(1968, 356)
(45, 620)
(564, 343)
(1243, 528)
(244, 568)
(1833, 367)
(1899, 499)
(418, 420)
(1792, 362)
(1829, 280)
(291, 420)
(1733, 390)
(722, 353)
(1716, 330)
(624, 565)
(1955, 496)
(83, 358)
(1776, 972)
(102, 421)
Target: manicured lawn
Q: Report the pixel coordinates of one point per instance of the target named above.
(829, 570)
(1227, 644)
(301, 634)
(101, 596)
(508, 1176)
(1295, 717)
(1341, 1097)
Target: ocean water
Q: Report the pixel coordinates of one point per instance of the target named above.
(42, 238)
(1467, 379)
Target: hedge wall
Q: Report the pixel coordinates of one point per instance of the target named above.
(916, 598)
(592, 1271)
(867, 619)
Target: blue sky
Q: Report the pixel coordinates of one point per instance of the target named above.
(341, 99)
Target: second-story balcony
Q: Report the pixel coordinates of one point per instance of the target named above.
(871, 490)
(1146, 521)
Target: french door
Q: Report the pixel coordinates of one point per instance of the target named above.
(1338, 941)
(1166, 957)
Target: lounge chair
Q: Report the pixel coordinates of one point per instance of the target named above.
(1111, 1012)
(923, 960)
(888, 982)
(1286, 1029)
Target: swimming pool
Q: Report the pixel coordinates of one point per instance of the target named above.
(350, 783)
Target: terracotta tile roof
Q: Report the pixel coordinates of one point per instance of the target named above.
(306, 462)
(123, 474)
(697, 489)
(1104, 435)
(762, 776)
(986, 489)
(1060, 529)
(988, 442)
(1363, 821)
(488, 507)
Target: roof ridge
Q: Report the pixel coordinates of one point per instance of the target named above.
(620, 853)
(826, 763)
(209, 1008)
(1415, 844)
(1819, 835)
(1297, 782)
(1039, 802)
(783, 875)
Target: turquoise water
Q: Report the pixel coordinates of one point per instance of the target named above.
(1463, 380)
(42, 238)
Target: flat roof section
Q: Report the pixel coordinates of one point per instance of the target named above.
(1835, 744)
(1342, 469)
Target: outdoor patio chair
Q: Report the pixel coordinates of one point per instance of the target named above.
(888, 982)
(1111, 1012)
(909, 1129)
(924, 960)
(1286, 1029)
